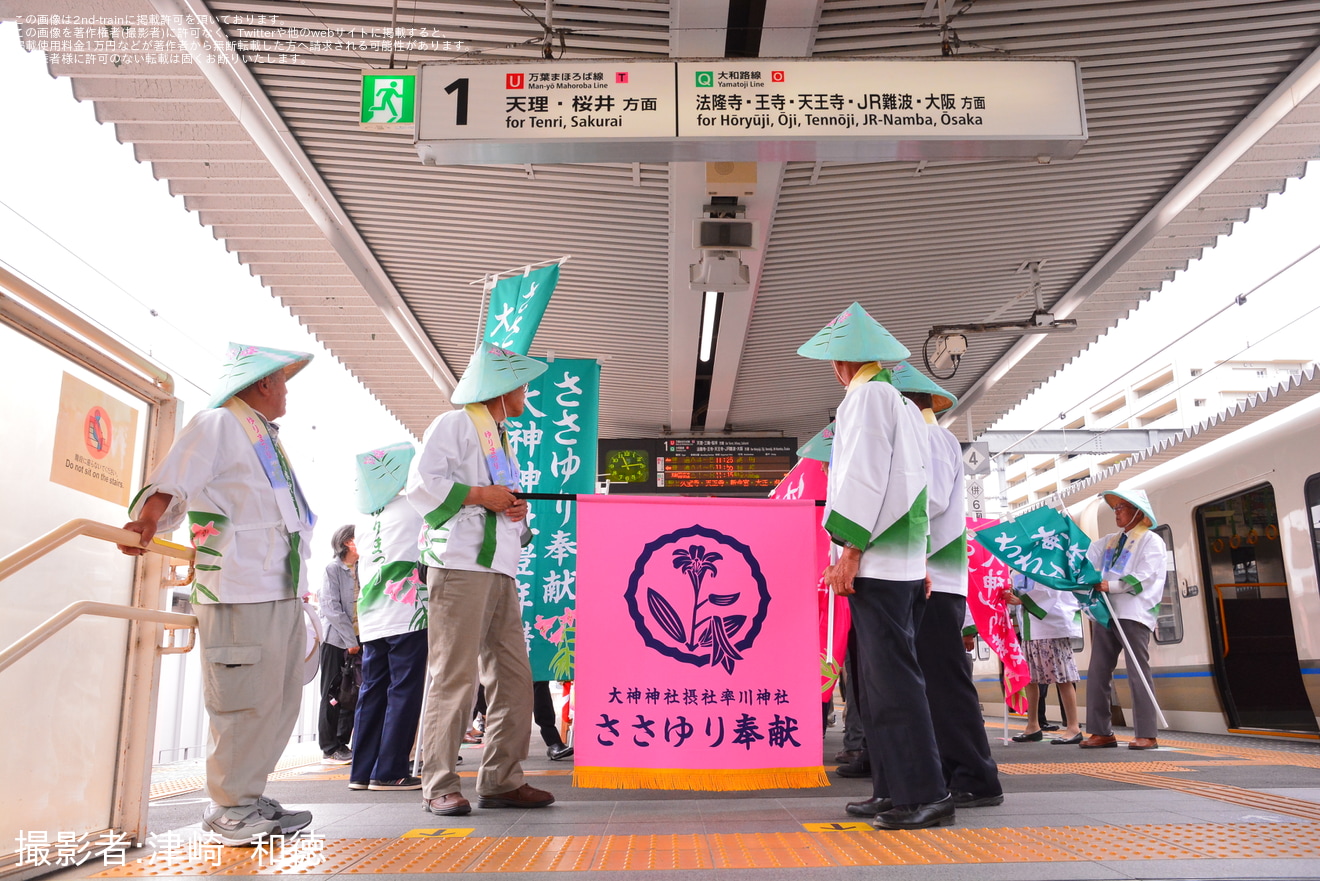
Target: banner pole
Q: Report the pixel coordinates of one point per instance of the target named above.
(1131, 664)
(488, 284)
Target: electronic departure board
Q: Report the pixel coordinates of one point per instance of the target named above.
(697, 465)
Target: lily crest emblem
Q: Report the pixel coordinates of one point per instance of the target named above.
(698, 596)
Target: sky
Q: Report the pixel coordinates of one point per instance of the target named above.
(87, 223)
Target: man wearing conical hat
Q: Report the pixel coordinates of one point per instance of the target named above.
(228, 475)
(392, 621)
(1132, 564)
(876, 510)
(463, 483)
(955, 706)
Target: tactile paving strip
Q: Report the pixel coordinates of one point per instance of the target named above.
(1250, 798)
(1095, 769)
(769, 850)
(294, 767)
(652, 852)
(1271, 756)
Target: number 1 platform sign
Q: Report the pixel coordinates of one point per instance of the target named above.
(696, 645)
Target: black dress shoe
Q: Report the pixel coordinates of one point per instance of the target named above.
(557, 751)
(1049, 727)
(868, 808)
(857, 768)
(844, 756)
(1027, 738)
(972, 800)
(937, 813)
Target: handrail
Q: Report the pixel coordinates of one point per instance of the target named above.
(50, 626)
(89, 331)
(45, 544)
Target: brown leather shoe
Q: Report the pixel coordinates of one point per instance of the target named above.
(525, 796)
(451, 804)
(1143, 743)
(1099, 741)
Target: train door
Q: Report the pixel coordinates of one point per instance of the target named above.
(1252, 640)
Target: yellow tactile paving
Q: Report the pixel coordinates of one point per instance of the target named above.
(1272, 756)
(652, 852)
(1249, 842)
(1104, 843)
(793, 850)
(1276, 804)
(1094, 768)
(420, 856)
(578, 853)
(291, 767)
(556, 853)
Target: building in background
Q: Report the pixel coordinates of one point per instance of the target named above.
(1174, 396)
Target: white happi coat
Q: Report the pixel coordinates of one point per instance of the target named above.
(393, 596)
(1136, 577)
(1046, 613)
(876, 499)
(451, 463)
(245, 552)
(947, 564)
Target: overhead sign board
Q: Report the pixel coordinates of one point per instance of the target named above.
(515, 109)
(750, 110)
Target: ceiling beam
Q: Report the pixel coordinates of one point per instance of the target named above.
(789, 31)
(697, 29)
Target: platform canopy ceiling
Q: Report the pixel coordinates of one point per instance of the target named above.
(1197, 112)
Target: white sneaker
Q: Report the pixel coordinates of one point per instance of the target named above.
(290, 821)
(239, 826)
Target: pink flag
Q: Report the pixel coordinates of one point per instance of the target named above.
(696, 644)
(987, 580)
(808, 479)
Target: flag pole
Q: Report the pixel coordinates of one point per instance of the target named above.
(521, 270)
(1132, 664)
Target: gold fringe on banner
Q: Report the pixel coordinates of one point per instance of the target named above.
(707, 779)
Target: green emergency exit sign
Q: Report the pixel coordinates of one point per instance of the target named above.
(389, 100)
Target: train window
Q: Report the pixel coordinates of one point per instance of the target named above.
(1313, 516)
(1169, 623)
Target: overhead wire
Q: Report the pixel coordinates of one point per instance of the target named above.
(152, 312)
(1238, 300)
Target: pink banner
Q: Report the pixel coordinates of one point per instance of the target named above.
(696, 644)
(808, 479)
(987, 580)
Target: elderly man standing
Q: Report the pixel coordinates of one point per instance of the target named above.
(955, 706)
(463, 483)
(228, 475)
(876, 509)
(1132, 564)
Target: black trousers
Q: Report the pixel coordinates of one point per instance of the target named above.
(335, 725)
(543, 713)
(955, 707)
(900, 738)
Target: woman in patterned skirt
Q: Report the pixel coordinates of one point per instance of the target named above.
(1049, 621)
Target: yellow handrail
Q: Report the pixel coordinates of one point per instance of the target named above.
(36, 550)
(50, 626)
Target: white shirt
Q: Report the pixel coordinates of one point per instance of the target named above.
(214, 478)
(1061, 609)
(877, 479)
(449, 464)
(947, 564)
(393, 596)
(1136, 577)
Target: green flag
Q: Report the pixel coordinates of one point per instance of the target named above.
(555, 442)
(517, 305)
(1050, 549)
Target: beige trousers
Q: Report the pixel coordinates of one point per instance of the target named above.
(252, 678)
(475, 627)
